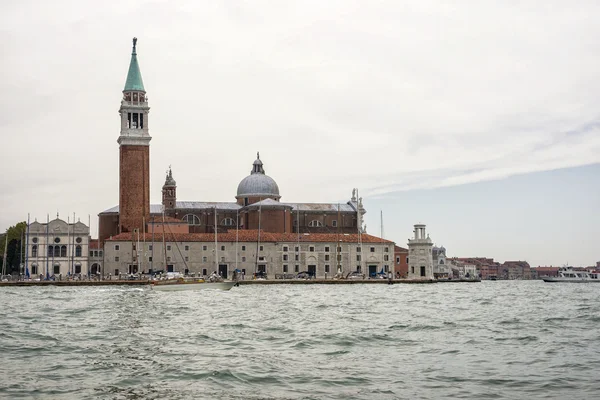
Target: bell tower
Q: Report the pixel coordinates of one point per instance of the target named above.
(134, 149)
(169, 191)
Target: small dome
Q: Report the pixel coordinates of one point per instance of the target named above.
(257, 183)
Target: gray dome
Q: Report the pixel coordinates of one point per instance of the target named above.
(257, 183)
(254, 185)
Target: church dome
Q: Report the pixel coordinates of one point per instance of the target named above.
(258, 184)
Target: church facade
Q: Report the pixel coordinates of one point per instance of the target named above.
(57, 248)
(256, 214)
(257, 204)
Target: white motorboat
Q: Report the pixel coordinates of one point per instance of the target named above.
(568, 274)
(191, 284)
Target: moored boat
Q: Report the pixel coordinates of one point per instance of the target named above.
(569, 274)
(191, 284)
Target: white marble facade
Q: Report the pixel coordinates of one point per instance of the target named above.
(57, 248)
(420, 259)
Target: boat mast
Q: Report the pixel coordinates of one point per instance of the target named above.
(5, 251)
(216, 249)
(88, 242)
(100, 250)
(48, 244)
(258, 238)
(72, 245)
(298, 233)
(237, 212)
(381, 237)
(21, 270)
(337, 245)
(144, 237)
(152, 253)
(27, 248)
(69, 247)
(137, 250)
(164, 243)
(359, 223)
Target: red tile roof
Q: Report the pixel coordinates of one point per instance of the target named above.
(398, 249)
(252, 236)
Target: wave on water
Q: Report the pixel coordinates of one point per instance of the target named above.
(473, 341)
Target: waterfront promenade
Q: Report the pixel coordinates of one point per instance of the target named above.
(144, 282)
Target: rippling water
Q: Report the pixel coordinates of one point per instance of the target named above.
(512, 340)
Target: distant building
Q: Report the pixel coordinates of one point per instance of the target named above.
(57, 248)
(516, 270)
(441, 268)
(400, 262)
(486, 268)
(420, 262)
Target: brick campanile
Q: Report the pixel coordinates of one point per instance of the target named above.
(134, 148)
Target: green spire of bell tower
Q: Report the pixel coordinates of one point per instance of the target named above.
(134, 76)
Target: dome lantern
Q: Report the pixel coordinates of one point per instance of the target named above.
(258, 184)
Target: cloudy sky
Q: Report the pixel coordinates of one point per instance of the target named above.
(480, 119)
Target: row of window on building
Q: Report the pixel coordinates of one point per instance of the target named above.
(35, 269)
(261, 248)
(192, 219)
(56, 251)
(56, 240)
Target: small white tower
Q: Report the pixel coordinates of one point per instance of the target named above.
(420, 260)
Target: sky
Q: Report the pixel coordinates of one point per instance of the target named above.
(480, 119)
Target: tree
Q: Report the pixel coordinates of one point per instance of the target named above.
(13, 255)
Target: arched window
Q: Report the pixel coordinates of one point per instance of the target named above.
(95, 269)
(191, 219)
(442, 261)
(50, 251)
(228, 222)
(77, 251)
(56, 251)
(63, 251)
(315, 223)
(34, 250)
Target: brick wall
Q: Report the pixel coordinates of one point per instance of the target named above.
(401, 262)
(108, 226)
(134, 187)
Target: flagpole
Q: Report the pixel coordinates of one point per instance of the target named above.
(69, 245)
